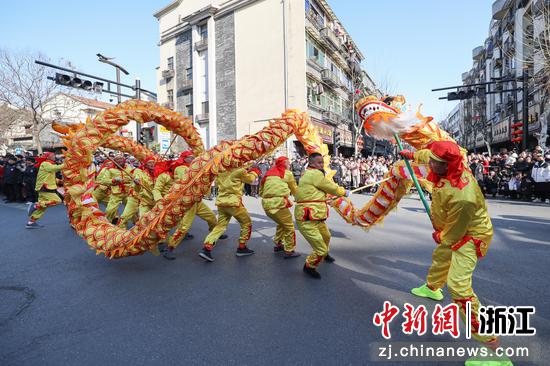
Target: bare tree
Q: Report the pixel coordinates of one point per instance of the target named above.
(24, 87)
(387, 85)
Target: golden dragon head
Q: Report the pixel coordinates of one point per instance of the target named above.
(386, 116)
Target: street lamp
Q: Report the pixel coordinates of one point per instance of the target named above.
(107, 60)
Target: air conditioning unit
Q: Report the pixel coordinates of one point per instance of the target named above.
(167, 73)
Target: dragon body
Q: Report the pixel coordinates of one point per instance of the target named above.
(381, 120)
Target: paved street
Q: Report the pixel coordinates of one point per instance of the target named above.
(60, 304)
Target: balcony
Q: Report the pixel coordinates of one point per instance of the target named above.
(500, 8)
(167, 74)
(477, 53)
(330, 38)
(202, 44)
(330, 78)
(315, 20)
(465, 75)
(187, 84)
(331, 117)
(200, 118)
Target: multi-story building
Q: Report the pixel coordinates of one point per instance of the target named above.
(233, 65)
(509, 50)
(452, 124)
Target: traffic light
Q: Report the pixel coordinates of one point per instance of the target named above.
(76, 82)
(517, 132)
(146, 135)
(337, 138)
(461, 95)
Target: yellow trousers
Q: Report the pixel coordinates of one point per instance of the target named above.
(198, 209)
(45, 200)
(143, 209)
(455, 268)
(115, 200)
(285, 233)
(101, 195)
(318, 236)
(224, 216)
(130, 211)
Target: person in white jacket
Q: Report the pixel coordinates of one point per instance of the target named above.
(541, 176)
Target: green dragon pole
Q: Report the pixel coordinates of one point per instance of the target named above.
(413, 176)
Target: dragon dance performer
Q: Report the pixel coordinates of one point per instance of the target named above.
(46, 186)
(140, 197)
(119, 181)
(276, 185)
(200, 209)
(229, 202)
(463, 230)
(163, 179)
(311, 211)
(101, 192)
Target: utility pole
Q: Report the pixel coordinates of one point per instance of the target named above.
(525, 109)
(285, 67)
(107, 60)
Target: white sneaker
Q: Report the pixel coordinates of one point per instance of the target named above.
(547, 201)
(536, 200)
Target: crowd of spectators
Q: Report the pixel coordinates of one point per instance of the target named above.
(524, 175)
(18, 177)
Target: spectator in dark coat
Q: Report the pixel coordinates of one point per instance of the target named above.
(492, 183)
(12, 179)
(29, 180)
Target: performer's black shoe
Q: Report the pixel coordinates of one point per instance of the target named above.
(168, 254)
(206, 255)
(188, 236)
(292, 254)
(223, 236)
(329, 259)
(278, 248)
(33, 225)
(312, 272)
(243, 252)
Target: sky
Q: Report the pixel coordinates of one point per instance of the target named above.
(410, 46)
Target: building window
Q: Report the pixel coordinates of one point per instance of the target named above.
(189, 109)
(205, 107)
(170, 63)
(314, 53)
(203, 31)
(189, 73)
(170, 96)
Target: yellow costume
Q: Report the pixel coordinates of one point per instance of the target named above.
(46, 186)
(229, 203)
(200, 209)
(275, 191)
(163, 183)
(463, 230)
(101, 192)
(145, 191)
(140, 199)
(119, 183)
(311, 211)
